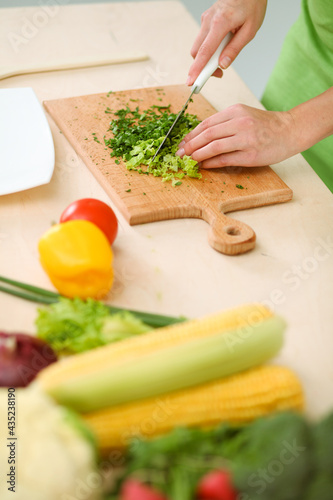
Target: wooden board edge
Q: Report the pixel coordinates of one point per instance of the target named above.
(281, 195)
(98, 175)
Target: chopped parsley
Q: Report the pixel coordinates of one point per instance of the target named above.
(136, 136)
(239, 186)
(176, 183)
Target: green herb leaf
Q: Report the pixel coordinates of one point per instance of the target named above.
(136, 136)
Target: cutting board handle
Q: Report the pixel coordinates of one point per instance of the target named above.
(227, 235)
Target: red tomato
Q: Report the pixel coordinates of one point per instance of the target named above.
(95, 211)
(133, 489)
(216, 485)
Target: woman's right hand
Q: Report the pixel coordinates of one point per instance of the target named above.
(241, 17)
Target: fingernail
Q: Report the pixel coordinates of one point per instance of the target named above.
(180, 152)
(181, 144)
(189, 80)
(226, 61)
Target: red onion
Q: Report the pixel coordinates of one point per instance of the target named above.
(21, 358)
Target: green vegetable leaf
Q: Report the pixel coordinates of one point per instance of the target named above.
(322, 484)
(174, 463)
(136, 137)
(77, 423)
(73, 325)
(270, 459)
(269, 454)
(120, 326)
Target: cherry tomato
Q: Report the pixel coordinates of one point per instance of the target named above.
(95, 211)
(216, 485)
(135, 490)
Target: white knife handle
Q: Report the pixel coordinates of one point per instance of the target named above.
(211, 66)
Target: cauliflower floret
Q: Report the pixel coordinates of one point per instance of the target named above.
(51, 457)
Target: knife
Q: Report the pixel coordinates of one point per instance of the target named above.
(207, 71)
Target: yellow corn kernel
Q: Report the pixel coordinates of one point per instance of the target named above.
(237, 399)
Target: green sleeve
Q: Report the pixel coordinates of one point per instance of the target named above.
(304, 70)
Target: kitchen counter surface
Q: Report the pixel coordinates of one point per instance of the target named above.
(168, 267)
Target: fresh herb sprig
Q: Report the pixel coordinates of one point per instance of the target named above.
(175, 463)
(137, 135)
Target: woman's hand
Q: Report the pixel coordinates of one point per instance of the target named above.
(242, 17)
(242, 136)
(250, 137)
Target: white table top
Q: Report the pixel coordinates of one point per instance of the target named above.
(168, 267)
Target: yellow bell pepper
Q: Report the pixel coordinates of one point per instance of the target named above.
(77, 257)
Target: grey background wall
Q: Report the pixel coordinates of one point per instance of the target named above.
(256, 61)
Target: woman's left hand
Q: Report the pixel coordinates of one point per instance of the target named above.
(242, 136)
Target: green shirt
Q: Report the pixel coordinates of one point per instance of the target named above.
(304, 70)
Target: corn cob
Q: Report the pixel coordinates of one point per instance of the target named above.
(164, 370)
(236, 399)
(130, 349)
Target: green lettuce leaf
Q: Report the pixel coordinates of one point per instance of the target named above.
(122, 325)
(73, 325)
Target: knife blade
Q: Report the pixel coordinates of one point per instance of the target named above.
(173, 125)
(207, 71)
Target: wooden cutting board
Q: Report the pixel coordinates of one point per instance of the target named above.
(144, 198)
